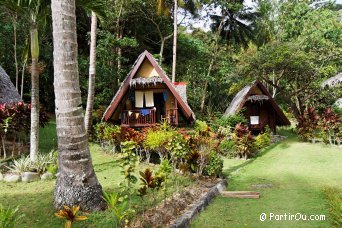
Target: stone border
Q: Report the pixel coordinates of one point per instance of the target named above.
(183, 221)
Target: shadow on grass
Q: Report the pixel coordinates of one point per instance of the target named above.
(104, 166)
(291, 138)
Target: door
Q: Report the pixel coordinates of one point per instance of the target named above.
(159, 103)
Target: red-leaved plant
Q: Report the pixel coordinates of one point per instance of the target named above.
(331, 126)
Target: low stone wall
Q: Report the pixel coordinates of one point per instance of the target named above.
(184, 220)
(277, 138)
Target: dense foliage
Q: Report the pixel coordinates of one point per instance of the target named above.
(292, 47)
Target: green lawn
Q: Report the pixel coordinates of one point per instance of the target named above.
(48, 137)
(298, 173)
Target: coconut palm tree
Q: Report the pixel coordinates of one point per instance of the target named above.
(97, 10)
(234, 26)
(77, 183)
(164, 7)
(92, 72)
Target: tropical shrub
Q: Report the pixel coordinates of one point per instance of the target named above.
(21, 114)
(21, 165)
(227, 148)
(201, 126)
(193, 160)
(244, 142)
(229, 121)
(178, 149)
(52, 168)
(128, 164)
(156, 141)
(40, 165)
(119, 207)
(215, 165)
(70, 214)
(15, 124)
(331, 126)
(129, 134)
(308, 125)
(9, 216)
(109, 136)
(262, 140)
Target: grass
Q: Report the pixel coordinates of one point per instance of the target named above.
(48, 137)
(298, 173)
(35, 199)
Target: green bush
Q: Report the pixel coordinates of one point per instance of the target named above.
(24, 164)
(9, 217)
(201, 127)
(107, 133)
(244, 142)
(178, 148)
(156, 141)
(215, 165)
(227, 148)
(262, 140)
(52, 168)
(229, 121)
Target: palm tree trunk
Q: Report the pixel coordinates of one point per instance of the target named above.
(92, 71)
(34, 135)
(76, 183)
(175, 30)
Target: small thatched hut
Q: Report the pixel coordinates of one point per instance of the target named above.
(335, 81)
(147, 96)
(8, 93)
(259, 108)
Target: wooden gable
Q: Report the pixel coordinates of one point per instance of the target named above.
(146, 67)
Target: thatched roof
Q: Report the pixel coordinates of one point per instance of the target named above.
(131, 81)
(235, 105)
(8, 93)
(146, 81)
(245, 95)
(333, 81)
(181, 89)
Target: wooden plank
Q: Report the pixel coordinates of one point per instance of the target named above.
(241, 194)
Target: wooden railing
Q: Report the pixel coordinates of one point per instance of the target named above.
(172, 116)
(138, 118)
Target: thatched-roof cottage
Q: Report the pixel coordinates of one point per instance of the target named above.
(333, 81)
(147, 96)
(259, 108)
(8, 93)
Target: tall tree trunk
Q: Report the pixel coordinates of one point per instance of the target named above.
(212, 61)
(161, 52)
(15, 18)
(22, 80)
(24, 60)
(92, 72)
(175, 30)
(162, 45)
(76, 183)
(119, 34)
(34, 136)
(119, 52)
